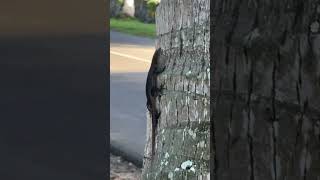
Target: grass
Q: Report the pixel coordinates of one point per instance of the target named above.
(133, 26)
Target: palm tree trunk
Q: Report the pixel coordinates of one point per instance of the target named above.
(266, 86)
(182, 141)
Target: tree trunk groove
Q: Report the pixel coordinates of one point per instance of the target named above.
(266, 89)
(183, 134)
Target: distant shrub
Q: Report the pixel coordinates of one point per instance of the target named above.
(120, 2)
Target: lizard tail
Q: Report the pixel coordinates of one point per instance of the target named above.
(153, 143)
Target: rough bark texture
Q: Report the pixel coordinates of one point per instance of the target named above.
(182, 142)
(266, 87)
(115, 8)
(141, 11)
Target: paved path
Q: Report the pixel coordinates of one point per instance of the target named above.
(130, 61)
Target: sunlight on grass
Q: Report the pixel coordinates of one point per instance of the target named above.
(133, 26)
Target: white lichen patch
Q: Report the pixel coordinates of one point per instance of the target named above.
(192, 134)
(253, 35)
(164, 163)
(170, 175)
(199, 76)
(167, 107)
(314, 27)
(177, 169)
(166, 155)
(187, 99)
(183, 134)
(186, 165)
(201, 144)
(196, 114)
(205, 112)
(188, 73)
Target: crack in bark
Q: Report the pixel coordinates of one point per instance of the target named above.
(299, 13)
(305, 170)
(177, 111)
(235, 18)
(188, 106)
(214, 161)
(249, 135)
(274, 117)
(299, 85)
(234, 91)
(181, 43)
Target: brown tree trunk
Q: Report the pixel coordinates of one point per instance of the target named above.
(182, 141)
(266, 89)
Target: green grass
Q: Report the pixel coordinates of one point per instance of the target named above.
(133, 26)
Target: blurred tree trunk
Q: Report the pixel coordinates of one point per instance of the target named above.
(128, 8)
(266, 60)
(182, 141)
(115, 8)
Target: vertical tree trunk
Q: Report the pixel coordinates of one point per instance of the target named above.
(115, 8)
(182, 141)
(141, 11)
(128, 8)
(266, 86)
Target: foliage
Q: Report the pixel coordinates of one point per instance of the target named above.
(120, 2)
(152, 6)
(133, 26)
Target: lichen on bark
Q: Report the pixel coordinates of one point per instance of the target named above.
(183, 134)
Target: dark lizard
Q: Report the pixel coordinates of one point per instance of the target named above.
(152, 91)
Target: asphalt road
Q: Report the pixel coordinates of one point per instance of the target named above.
(130, 58)
(52, 108)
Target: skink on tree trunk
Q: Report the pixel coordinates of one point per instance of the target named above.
(152, 91)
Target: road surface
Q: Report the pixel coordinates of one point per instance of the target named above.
(130, 60)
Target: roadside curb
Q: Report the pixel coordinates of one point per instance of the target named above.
(134, 158)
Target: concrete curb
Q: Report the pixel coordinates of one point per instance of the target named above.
(126, 154)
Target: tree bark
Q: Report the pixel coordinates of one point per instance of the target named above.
(115, 8)
(128, 8)
(266, 89)
(141, 11)
(183, 132)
